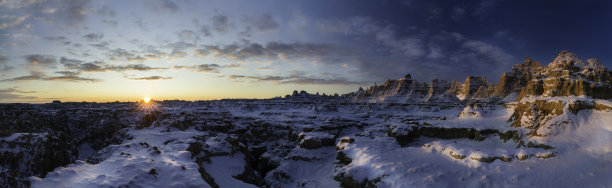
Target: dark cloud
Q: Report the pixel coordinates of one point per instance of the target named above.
(213, 68)
(40, 60)
(152, 78)
(209, 68)
(101, 45)
(93, 36)
(98, 66)
(57, 38)
(132, 67)
(120, 54)
(25, 78)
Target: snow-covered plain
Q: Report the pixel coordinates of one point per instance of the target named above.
(280, 143)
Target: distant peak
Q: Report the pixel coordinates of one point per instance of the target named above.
(595, 64)
(566, 57)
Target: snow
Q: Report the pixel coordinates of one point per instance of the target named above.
(131, 162)
(224, 168)
(580, 153)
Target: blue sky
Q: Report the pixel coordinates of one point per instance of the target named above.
(76, 50)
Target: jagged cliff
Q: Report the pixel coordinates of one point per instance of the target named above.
(566, 75)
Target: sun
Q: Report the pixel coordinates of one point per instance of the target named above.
(147, 99)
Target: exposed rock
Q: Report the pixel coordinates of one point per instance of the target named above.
(32, 154)
(535, 114)
(567, 75)
(481, 93)
(471, 85)
(517, 78)
(313, 140)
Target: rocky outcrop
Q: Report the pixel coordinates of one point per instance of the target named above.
(471, 85)
(32, 154)
(481, 93)
(313, 140)
(568, 75)
(517, 78)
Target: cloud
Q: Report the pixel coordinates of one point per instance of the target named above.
(152, 78)
(220, 23)
(210, 68)
(62, 39)
(36, 60)
(297, 77)
(72, 12)
(179, 45)
(98, 66)
(4, 64)
(409, 46)
(272, 50)
(106, 11)
(262, 24)
(112, 23)
(163, 5)
(93, 36)
(69, 76)
(188, 35)
(32, 76)
(12, 94)
(64, 76)
(214, 68)
(178, 54)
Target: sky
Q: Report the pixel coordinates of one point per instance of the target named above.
(81, 50)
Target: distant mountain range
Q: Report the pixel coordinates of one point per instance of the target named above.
(566, 75)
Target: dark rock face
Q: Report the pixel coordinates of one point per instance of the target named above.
(36, 141)
(33, 154)
(535, 114)
(517, 78)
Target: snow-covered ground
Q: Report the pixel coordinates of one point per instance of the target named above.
(252, 143)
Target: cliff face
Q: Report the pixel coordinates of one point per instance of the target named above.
(568, 75)
(517, 78)
(471, 85)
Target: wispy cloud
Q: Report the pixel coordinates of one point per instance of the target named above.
(151, 78)
(297, 77)
(64, 76)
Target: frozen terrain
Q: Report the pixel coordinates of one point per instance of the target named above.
(404, 133)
